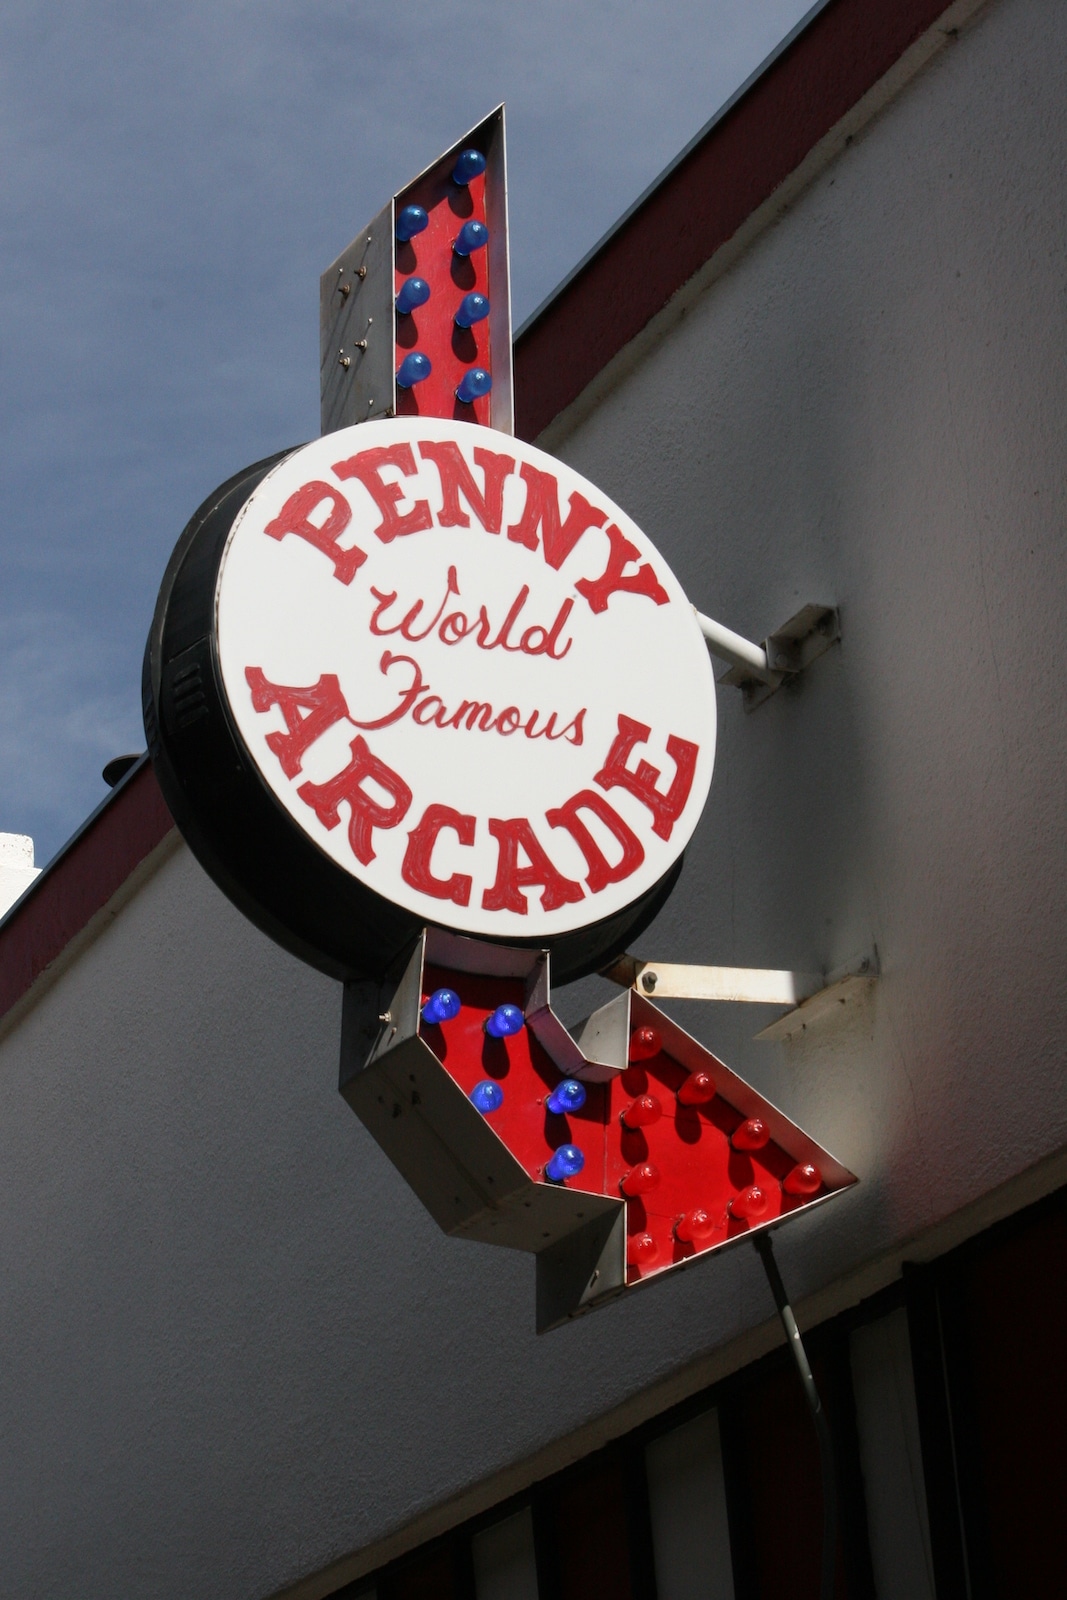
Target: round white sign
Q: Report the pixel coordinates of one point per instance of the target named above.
(466, 675)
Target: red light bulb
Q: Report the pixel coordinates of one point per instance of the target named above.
(641, 1249)
(642, 1112)
(644, 1044)
(694, 1227)
(639, 1179)
(697, 1089)
(750, 1204)
(804, 1179)
(751, 1135)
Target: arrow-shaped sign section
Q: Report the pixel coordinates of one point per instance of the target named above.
(614, 1154)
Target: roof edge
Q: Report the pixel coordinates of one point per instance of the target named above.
(676, 161)
(80, 880)
(831, 62)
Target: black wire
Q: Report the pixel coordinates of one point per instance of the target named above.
(765, 1249)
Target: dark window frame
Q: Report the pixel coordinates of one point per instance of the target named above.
(941, 1389)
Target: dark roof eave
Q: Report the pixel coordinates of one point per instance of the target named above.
(832, 59)
(80, 880)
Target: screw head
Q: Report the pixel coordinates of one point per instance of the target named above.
(648, 981)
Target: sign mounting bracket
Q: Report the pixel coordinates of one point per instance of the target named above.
(809, 996)
(758, 670)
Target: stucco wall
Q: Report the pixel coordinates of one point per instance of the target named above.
(234, 1348)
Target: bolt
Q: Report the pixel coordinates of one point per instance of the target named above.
(346, 289)
(343, 360)
(361, 344)
(361, 272)
(648, 981)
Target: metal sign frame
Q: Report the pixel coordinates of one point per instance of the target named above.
(357, 319)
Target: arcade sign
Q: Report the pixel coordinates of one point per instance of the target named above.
(437, 716)
(423, 674)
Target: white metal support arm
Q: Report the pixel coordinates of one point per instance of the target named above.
(730, 646)
(808, 996)
(759, 669)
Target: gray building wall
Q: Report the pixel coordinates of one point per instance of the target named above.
(234, 1348)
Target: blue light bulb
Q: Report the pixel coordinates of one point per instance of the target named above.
(413, 369)
(473, 385)
(472, 308)
(566, 1096)
(472, 236)
(409, 222)
(441, 1006)
(487, 1096)
(567, 1162)
(415, 292)
(505, 1021)
(470, 164)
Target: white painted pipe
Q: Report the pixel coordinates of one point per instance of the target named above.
(730, 646)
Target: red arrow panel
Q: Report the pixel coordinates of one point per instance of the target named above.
(694, 1176)
(431, 328)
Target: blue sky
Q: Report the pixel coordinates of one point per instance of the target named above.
(174, 180)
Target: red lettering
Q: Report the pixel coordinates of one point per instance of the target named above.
(407, 627)
(540, 641)
(505, 894)
(479, 713)
(422, 713)
(455, 628)
(484, 641)
(323, 702)
(456, 480)
(428, 709)
(417, 870)
(665, 808)
(365, 813)
(541, 511)
(408, 696)
(601, 872)
(614, 579)
(575, 727)
(367, 467)
(295, 517)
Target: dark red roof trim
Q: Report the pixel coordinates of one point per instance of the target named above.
(702, 200)
(81, 880)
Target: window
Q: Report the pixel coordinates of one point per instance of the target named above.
(687, 1501)
(948, 1410)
